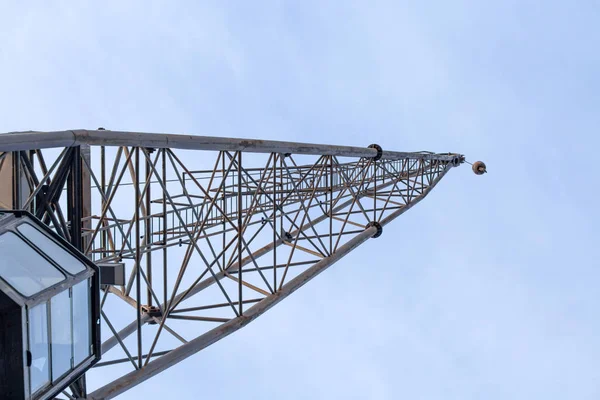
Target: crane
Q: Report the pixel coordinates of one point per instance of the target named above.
(194, 237)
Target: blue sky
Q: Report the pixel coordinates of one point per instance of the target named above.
(487, 289)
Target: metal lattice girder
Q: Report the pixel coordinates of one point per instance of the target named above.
(212, 231)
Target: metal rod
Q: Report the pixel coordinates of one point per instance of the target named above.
(240, 232)
(103, 234)
(39, 140)
(138, 281)
(274, 200)
(118, 338)
(148, 230)
(122, 360)
(164, 233)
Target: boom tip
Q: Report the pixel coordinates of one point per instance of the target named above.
(479, 168)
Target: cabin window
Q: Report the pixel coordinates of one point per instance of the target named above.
(39, 371)
(61, 256)
(61, 339)
(23, 269)
(82, 334)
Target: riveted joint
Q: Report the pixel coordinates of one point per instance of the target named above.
(457, 160)
(379, 151)
(288, 237)
(377, 226)
(152, 311)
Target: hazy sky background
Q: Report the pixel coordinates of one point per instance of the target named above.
(486, 290)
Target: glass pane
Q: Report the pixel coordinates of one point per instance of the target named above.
(52, 249)
(81, 321)
(24, 268)
(38, 345)
(60, 323)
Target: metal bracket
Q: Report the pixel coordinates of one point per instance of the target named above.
(379, 151)
(378, 226)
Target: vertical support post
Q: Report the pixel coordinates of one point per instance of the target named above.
(148, 230)
(164, 210)
(6, 181)
(86, 189)
(274, 221)
(75, 199)
(224, 206)
(16, 181)
(281, 194)
(374, 190)
(330, 202)
(75, 212)
(103, 233)
(138, 283)
(240, 230)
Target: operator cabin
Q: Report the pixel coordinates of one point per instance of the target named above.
(49, 310)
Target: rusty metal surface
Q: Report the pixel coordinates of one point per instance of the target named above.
(479, 168)
(15, 141)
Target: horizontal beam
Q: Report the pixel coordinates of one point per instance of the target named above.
(19, 141)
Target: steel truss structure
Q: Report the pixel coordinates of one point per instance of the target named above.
(212, 231)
